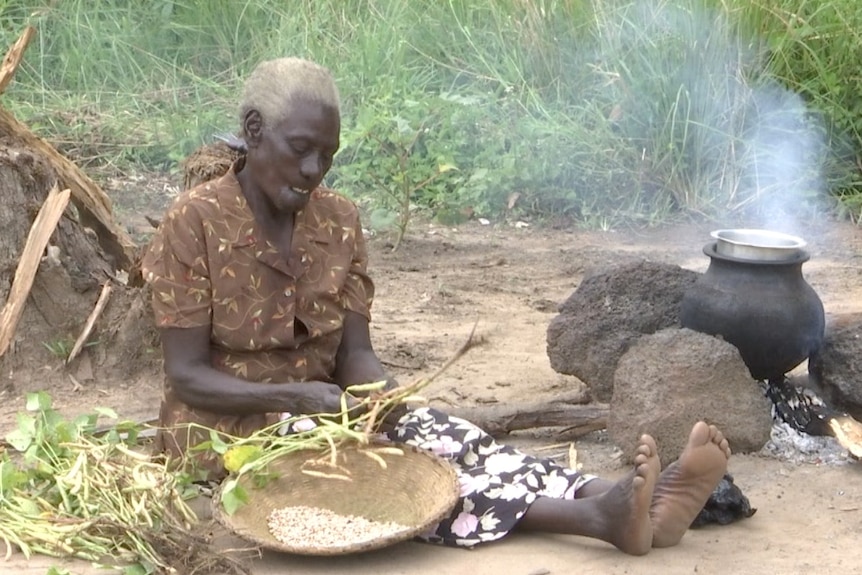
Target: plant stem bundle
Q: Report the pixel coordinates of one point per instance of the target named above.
(70, 492)
(357, 426)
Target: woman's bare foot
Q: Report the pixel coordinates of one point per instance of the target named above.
(685, 486)
(619, 514)
(627, 503)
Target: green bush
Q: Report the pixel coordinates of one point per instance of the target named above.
(813, 49)
(601, 113)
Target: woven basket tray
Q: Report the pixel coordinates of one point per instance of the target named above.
(416, 489)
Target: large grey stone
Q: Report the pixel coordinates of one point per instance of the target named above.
(607, 312)
(836, 368)
(669, 380)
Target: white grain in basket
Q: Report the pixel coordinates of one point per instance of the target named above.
(304, 526)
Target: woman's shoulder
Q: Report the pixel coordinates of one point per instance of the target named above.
(330, 195)
(206, 197)
(334, 203)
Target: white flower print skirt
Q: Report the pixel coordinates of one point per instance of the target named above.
(498, 482)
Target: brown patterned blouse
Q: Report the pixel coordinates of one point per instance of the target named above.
(271, 320)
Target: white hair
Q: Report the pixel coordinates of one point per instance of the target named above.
(274, 86)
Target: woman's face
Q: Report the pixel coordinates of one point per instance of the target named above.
(288, 160)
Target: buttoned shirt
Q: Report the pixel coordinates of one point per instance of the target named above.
(271, 319)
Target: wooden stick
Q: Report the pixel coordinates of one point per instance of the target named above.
(13, 57)
(93, 204)
(573, 457)
(500, 420)
(91, 321)
(37, 240)
(848, 432)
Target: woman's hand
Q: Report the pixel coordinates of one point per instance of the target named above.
(312, 397)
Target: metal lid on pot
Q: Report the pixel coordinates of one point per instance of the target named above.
(757, 244)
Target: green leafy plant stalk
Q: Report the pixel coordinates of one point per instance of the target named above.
(69, 489)
(357, 426)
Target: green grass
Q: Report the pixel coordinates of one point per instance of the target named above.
(602, 114)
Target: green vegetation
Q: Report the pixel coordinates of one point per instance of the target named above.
(71, 489)
(599, 114)
(62, 347)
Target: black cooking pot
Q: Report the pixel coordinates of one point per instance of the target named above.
(763, 307)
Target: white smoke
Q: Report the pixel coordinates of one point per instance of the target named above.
(694, 83)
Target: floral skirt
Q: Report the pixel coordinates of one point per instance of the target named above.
(498, 482)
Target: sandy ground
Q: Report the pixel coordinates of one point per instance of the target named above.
(510, 280)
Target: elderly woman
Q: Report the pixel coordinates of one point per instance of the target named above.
(262, 297)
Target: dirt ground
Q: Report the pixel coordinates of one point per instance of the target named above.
(510, 279)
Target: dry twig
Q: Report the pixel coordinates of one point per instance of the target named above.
(37, 240)
(13, 57)
(91, 321)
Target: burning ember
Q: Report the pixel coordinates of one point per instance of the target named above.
(807, 430)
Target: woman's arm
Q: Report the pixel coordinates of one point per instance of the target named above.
(356, 362)
(187, 365)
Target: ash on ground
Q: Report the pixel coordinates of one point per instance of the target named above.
(787, 444)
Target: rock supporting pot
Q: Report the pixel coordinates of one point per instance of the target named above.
(764, 307)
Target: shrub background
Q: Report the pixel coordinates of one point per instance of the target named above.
(599, 114)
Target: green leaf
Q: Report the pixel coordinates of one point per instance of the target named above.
(38, 401)
(137, 569)
(262, 478)
(27, 506)
(107, 412)
(132, 432)
(228, 485)
(19, 440)
(233, 498)
(239, 455)
(87, 422)
(10, 477)
(202, 446)
(52, 419)
(22, 438)
(56, 571)
(64, 432)
(217, 444)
